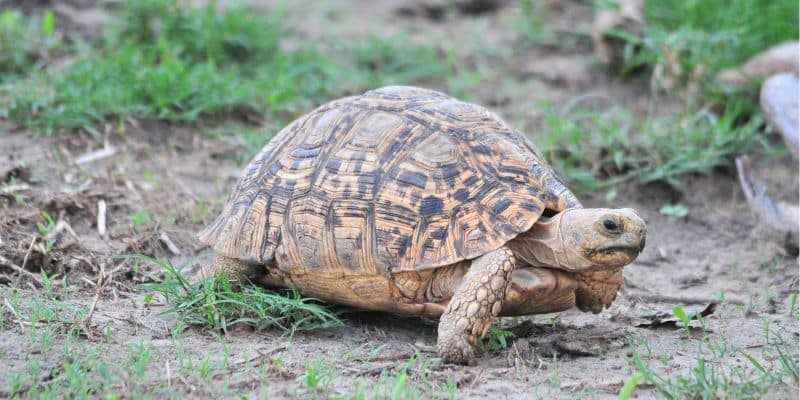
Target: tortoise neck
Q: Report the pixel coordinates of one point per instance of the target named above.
(544, 245)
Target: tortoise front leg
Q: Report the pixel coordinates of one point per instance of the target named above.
(474, 305)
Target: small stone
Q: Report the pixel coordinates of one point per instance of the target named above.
(781, 58)
(779, 100)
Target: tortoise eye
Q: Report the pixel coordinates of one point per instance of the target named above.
(610, 225)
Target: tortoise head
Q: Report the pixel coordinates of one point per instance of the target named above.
(584, 239)
(605, 238)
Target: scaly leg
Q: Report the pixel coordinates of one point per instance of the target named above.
(237, 271)
(474, 305)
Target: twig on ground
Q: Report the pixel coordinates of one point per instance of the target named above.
(606, 385)
(132, 188)
(61, 226)
(169, 375)
(21, 271)
(477, 379)
(170, 245)
(260, 355)
(663, 319)
(20, 321)
(373, 371)
(98, 290)
(11, 189)
(101, 217)
(388, 357)
(663, 298)
(107, 151)
(28, 253)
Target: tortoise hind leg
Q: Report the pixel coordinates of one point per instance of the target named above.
(474, 305)
(237, 271)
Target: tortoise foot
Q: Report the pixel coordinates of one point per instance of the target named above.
(456, 350)
(474, 305)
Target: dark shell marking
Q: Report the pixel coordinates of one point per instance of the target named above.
(398, 179)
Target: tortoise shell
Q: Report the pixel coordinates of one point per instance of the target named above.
(397, 179)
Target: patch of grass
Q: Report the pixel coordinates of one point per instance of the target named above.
(201, 34)
(713, 375)
(161, 59)
(318, 378)
(770, 265)
(685, 43)
(752, 25)
(629, 386)
(597, 149)
(132, 81)
(674, 210)
(684, 46)
(530, 23)
(59, 363)
(495, 339)
(45, 228)
(589, 147)
(213, 303)
(393, 59)
(409, 380)
(26, 43)
(140, 218)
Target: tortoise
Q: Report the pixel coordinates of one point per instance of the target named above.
(407, 200)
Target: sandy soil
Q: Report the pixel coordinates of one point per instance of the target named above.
(180, 180)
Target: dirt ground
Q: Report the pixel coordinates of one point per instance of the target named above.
(176, 181)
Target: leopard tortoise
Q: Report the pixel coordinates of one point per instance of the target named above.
(407, 200)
